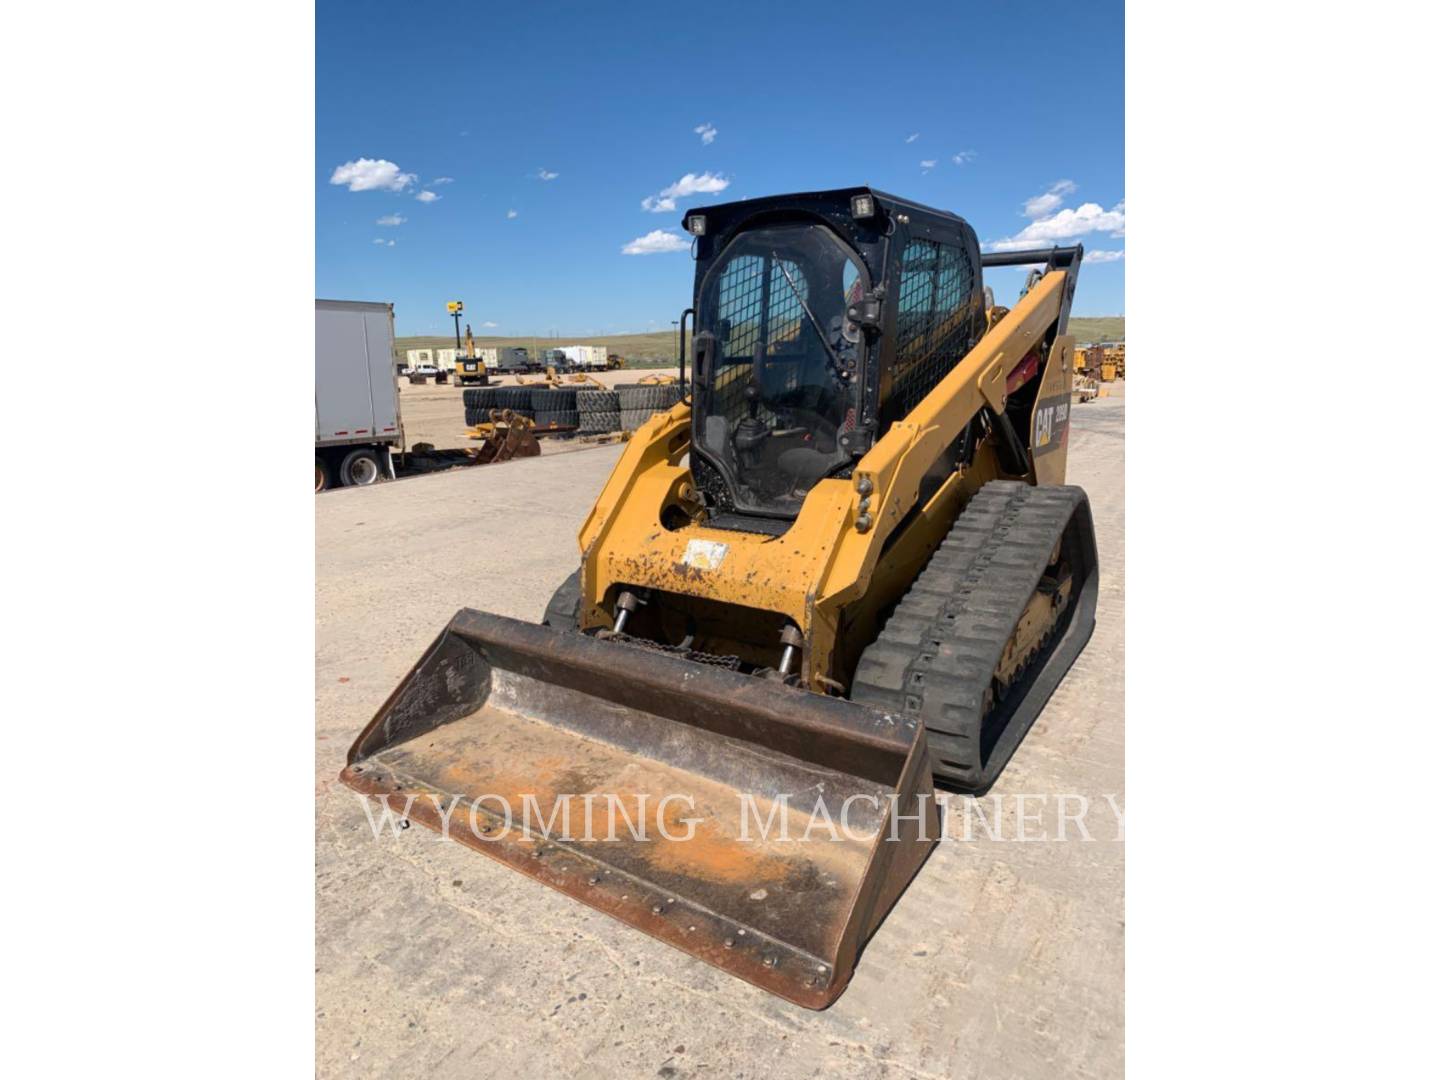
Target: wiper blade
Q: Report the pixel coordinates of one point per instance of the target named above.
(834, 356)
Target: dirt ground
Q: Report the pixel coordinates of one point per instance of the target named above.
(436, 414)
(1003, 958)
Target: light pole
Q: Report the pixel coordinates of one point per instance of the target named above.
(455, 307)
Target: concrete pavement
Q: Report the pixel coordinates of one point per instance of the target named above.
(1004, 957)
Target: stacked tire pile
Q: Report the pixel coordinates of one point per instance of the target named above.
(599, 411)
(479, 400)
(640, 402)
(585, 411)
(554, 407)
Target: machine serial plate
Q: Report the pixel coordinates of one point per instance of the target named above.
(705, 554)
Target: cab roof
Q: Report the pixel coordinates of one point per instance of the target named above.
(723, 217)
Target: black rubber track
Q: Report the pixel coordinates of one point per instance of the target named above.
(481, 397)
(938, 652)
(567, 419)
(552, 399)
(563, 611)
(656, 398)
(599, 423)
(480, 416)
(597, 401)
(512, 397)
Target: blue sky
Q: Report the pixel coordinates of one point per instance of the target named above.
(502, 154)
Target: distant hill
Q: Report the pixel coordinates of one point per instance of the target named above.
(1098, 328)
(653, 350)
(658, 349)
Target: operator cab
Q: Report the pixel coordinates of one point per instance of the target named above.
(820, 318)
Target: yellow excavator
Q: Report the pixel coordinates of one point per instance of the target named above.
(470, 369)
(843, 569)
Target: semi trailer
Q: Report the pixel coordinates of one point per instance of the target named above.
(357, 402)
(587, 357)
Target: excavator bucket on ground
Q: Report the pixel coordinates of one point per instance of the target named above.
(507, 435)
(759, 827)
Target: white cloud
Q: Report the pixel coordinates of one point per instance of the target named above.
(1104, 256)
(656, 242)
(386, 243)
(912, 138)
(363, 174)
(390, 219)
(689, 184)
(1040, 205)
(546, 174)
(512, 213)
(929, 164)
(426, 196)
(964, 157)
(490, 325)
(707, 133)
(443, 180)
(1067, 225)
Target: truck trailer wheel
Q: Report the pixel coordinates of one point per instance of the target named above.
(360, 468)
(323, 480)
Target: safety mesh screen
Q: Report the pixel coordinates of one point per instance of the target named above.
(933, 318)
(788, 288)
(762, 309)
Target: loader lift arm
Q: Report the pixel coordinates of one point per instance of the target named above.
(895, 465)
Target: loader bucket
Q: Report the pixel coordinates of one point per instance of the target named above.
(761, 828)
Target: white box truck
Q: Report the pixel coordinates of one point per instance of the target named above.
(586, 357)
(357, 402)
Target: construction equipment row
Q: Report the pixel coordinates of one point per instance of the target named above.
(1104, 362)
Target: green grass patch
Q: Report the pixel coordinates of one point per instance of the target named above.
(1089, 331)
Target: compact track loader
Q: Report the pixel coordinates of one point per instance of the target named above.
(843, 568)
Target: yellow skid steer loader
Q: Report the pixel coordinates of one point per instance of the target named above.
(843, 568)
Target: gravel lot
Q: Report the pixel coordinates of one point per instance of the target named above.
(1004, 957)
